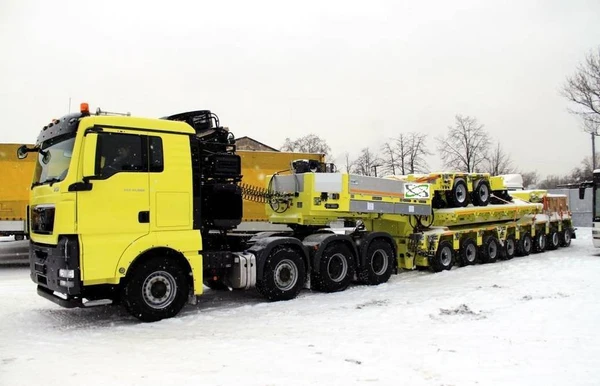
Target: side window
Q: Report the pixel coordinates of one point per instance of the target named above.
(156, 154)
(120, 153)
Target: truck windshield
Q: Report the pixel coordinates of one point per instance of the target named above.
(53, 161)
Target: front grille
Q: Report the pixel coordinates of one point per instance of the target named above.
(42, 219)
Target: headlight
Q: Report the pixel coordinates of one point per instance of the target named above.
(66, 273)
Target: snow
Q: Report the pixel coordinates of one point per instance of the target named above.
(529, 321)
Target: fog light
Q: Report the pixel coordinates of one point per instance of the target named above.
(68, 284)
(66, 273)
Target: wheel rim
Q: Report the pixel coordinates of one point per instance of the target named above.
(470, 253)
(460, 193)
(526, 244)
(337, 267)
(484, 192)
(379, 262)
(542, 241)
(510, 247)
(446, 256)
(492, 250)
(555, 239)
(568, 237)
(159, 289)
(286, 275)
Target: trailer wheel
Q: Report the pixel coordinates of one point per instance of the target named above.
(156, 289)
(490, 249)
(565, 238)
(379, 264)
(524, 245)
(481, 195)
(510, 247)
(468, 252)
(459, 195)
(283, 275)
(336, 269)
(19, 237)
(553, 241)
(539, 244)
(443, 258)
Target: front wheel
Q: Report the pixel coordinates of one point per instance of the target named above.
(155, 289)
(283, 275)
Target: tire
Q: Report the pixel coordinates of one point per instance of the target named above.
(524, 245)
(490, 249)
(155, 289)
(283, 275)
(481, 196)
(336, 269)
(553, 240)
(565, 238)
(19, 237)
(468, 254)
(379, 263)
(510, 248)
(539, 244)
(443, 258)
(458, 197)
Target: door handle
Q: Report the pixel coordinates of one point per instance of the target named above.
(144, 216)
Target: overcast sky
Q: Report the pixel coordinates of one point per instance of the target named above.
(355, 74)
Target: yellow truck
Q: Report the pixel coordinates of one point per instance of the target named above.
(15, 183)
(144, 212)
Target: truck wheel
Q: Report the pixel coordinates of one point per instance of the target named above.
(19, 237)
(443, 258)
(524, 245)
(539, 244)
(379, 264)
(156, 289)
(565, 238)
(552, 240)
(490, 249)
(481, 196)
(468, 252)
(458, 197)
(283, 275)
(510, 247)
(335, 269)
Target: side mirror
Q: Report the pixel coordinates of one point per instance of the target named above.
(581, 192)
(89, 155)
(22, 152)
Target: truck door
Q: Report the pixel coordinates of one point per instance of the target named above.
(115, 211)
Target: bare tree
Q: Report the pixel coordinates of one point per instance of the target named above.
(583, 88)
(310, 143)
(367, 163)
(417, 151)
(465, 146)
(529, 178)
(389, 159)
(348, 162)
(498, 162)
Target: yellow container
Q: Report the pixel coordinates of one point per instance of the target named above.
(15, 182)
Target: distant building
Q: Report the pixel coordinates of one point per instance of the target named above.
(247, 143)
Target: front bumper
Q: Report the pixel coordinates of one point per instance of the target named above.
(46, 262)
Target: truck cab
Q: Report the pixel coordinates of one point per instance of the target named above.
(119, 207)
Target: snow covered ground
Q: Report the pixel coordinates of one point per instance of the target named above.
(528, 321)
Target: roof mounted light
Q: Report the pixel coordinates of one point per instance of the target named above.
(84, 108)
